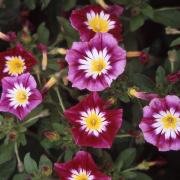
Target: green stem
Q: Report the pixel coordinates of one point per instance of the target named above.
(123, 136)
(167, 8)
(130, 169)
(60, 99)
(20, 164)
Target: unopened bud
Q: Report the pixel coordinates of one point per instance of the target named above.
(52, 135)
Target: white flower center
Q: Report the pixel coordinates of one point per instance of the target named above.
(19, 95)
(93, 121)
(167, 123)
(15, 65)
(95, 63)
(99, 22)
(81, 174)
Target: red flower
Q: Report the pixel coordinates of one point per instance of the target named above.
(94, 125)
(15, 61)
(92, 19)
(174, 77)
(81, 167)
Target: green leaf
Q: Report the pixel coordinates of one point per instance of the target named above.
(31, 4)
(68, 4)
(136, 22)
(143, 82)
(142, 176)
(69, 33)
(7, 169)
(175, 42)
(30, 165)
(43, 33)
(45, 3)
(167, 17)
(127, 156)
(129, 175)
(147, 10)
(44, 161)
(22, 176)
(160, 76)
(68, 155)
(6, 152)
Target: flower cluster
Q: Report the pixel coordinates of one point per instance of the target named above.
(19, 92)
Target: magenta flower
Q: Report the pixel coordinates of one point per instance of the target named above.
(16, 61)
(161, 123)
(93, 124)
(81, 167)
(95, 64)
(19, 95)
(93, 19)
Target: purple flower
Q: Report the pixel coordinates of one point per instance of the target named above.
(161, 123)
(95, 64)
(19, 95)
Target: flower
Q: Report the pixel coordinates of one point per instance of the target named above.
(93, 124)
(161, 123)
(173, 77)
(141, 95)
(19, 95)
(95, 64)
(93, 19)
(81, 167)
(15, 61)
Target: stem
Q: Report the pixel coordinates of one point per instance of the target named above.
(168, 8)
(20, 164)
(60, 99)
(123, 136)
(31, 119)
(130, 169)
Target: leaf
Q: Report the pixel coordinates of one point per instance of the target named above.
(69, 33)
(68, 4)
(147, 10)
(22, 176)
(143, 82)
(31, 4)
(136, 22)
(160, 76)
(68, 155)
(142, 176)
(43, 33)
(30, 165)
(129, 175)
(167, 17)
(44, 161)
(127, 156)
(175, 42)
(7, 169)
(45, 3)
(6, 152)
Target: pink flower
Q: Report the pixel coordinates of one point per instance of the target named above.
(161, 123)
(115, 9)
(95, 64)
(80, 167)
(93, 124)
(19, 95)
(93, 19)
(142, 95)
(15, 61)
(174, 77)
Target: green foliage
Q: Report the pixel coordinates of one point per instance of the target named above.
(30, 165)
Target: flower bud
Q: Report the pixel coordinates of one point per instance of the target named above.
(52, 135)
(46, 170)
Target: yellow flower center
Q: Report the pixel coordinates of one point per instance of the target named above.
(98, 65)
(81, 177)
(15, 65)
(21, 96)
(93, 122)
(169, 121)
(99, 24)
